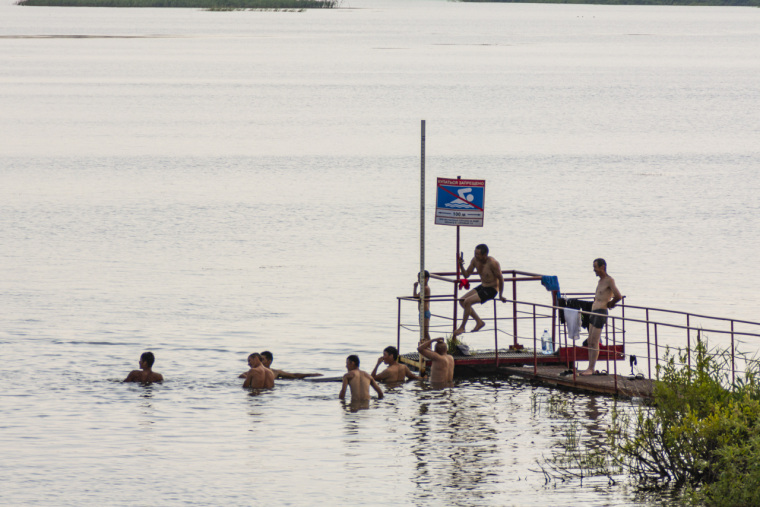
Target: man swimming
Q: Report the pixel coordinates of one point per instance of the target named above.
(359, 382)
(491, 283)
(606, 296)
(145, 374)
(395, 372)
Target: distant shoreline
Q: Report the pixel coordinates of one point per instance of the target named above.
(202, 4)
(330, 4)
(693, 3)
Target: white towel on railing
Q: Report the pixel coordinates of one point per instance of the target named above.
(573, 320)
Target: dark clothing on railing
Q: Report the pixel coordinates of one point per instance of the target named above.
(578, 304)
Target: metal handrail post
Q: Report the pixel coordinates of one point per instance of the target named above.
(535, 349)
(514, 307)
(495, 335)
(614, 351)
(649, 350)
(733, 363)
(607, 343)
(554, 321)
(688, 341)
(398, 326)
(656, 352)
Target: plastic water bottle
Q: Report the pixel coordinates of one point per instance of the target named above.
(546, 343)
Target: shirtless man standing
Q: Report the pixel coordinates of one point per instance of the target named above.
(259, 376)
(395, 372)
(359, 381)
(442, 369)
(491, 279)
(607, 296)
(145, 374)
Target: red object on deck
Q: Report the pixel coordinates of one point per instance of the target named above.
(606, 352)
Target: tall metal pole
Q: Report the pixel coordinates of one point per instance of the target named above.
(421, 276)
(456, 283)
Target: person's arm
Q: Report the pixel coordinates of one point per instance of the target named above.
(500, 278)
(285, 374)
(415, 292)
(410, 375)
(470, 269)
(342, 394)
(132, 377)
(382, 375)
(616, 295)
(242, 375)
(376, 387)
(160, 378)
(248, 379)
(424, 349)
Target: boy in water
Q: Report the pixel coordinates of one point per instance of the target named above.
(359, 381)
(145, 374)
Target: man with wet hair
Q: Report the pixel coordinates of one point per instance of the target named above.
(395, 372)
(442, 368)
(606, 296)
(491, 284)
(359, 382)
(145, 374)
(259, 376)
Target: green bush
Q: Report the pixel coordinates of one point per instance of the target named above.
(702, 432)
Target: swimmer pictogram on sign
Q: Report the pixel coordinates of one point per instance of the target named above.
(460, 202)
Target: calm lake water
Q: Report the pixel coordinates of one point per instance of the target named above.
(208, 184)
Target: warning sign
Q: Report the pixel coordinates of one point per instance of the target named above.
(460, 202)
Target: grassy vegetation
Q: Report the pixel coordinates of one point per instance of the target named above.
(699, 439)
(734, 3)
(198, 4)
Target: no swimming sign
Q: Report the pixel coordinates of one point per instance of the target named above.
(460, 202)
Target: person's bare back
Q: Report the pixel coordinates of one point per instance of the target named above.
(442, 368)
(144, 377)
(358, 381)
(145, 374)
(258, 377)
(395, 372)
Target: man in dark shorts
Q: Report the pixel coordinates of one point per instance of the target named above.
(491, 279)
(607, 296)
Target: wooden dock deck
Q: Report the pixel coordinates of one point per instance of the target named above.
(617, 385)
(549, 369)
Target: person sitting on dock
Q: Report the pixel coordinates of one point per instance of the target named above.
(395, 372)
(607, 296)
(442, 369)
(259, 376)
(492, 282)
(416, 294)
(145, 374)
(359, 382)
(267, 358)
